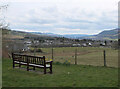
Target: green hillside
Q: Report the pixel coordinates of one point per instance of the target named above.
(105, 35)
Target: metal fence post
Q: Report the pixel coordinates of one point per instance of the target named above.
(104, 53)
(52, 54)
(76, 56)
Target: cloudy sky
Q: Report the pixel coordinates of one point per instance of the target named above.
(62, 16)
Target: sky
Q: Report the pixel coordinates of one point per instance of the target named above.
(62, 16)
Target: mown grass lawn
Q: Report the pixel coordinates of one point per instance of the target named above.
(63, 76)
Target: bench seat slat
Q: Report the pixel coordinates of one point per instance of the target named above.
(32, 64)
(39, 65)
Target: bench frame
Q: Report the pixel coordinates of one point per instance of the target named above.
(31, 61)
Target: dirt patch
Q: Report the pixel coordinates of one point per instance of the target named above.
(72, 53)
(84, 53)
(63, 53)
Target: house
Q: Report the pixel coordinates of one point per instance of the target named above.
(74, 44)
(78, 45)
(102, 44)
(84, 44)
(28, 43)
(89, 44)
(25, 49)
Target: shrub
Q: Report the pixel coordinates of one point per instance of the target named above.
(57, 63)
(66, 62)
(39, 50)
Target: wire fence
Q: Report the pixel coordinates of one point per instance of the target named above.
(81, 55)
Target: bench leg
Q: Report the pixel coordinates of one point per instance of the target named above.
(27, 68)
(19, 65)
(33, 68)
(13, 64)
(51, 70)
(44, 70)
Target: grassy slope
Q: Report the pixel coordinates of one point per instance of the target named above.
(80, 76)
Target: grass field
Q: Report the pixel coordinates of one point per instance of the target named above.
(63, 76)
(85, 55)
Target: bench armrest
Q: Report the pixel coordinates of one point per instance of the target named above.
(17, 58)
(48, 62)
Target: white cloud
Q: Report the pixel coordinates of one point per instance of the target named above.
(63, 16)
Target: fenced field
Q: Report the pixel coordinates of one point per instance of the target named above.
(81, 55)
(88, 71)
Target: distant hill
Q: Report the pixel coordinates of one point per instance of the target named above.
(105, 35)
(47, 34)
(13, 34)
(75, 36)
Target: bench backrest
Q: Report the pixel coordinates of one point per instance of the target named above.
(28, 59)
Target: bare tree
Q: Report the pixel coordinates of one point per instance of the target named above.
(3, 23)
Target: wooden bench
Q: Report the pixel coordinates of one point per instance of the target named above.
(31, 61)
